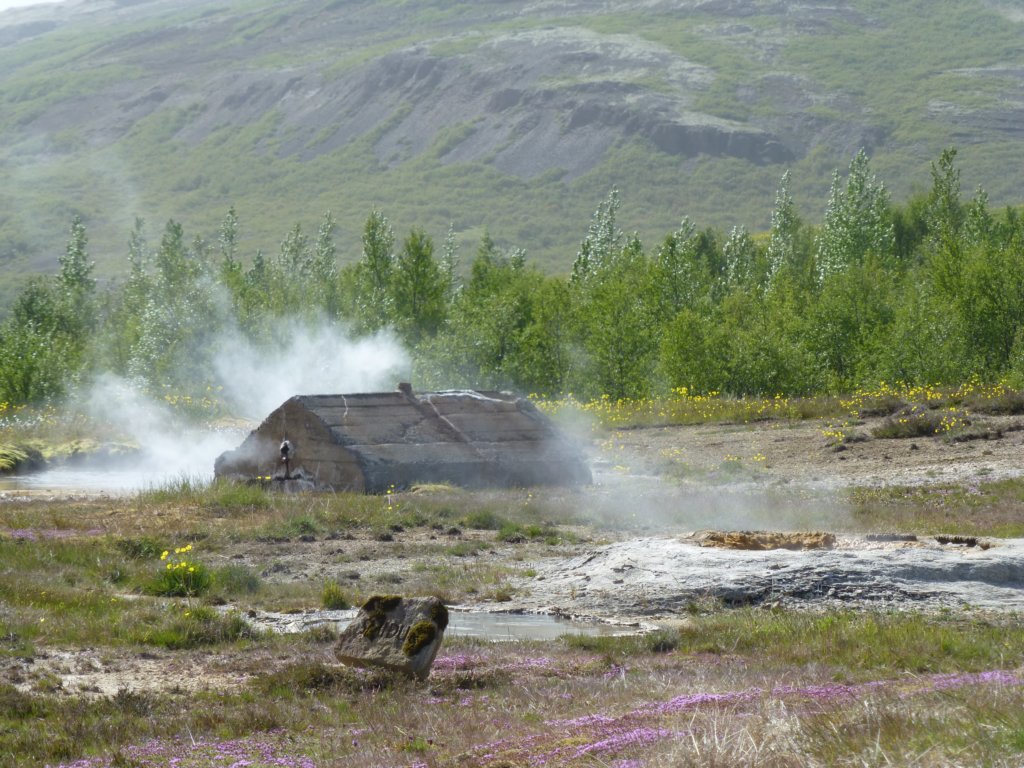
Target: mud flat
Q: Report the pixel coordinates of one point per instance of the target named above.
(664, 576)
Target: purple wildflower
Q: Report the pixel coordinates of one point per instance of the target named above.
(638, 728)
(257, 751)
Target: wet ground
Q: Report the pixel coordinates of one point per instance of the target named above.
(462, 622)
(660, 578)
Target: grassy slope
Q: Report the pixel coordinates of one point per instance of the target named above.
(910, 56)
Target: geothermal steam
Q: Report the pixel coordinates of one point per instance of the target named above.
(320, 362)
(254, 381)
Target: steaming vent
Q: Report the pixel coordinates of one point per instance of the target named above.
(810, 540)
(372, 442)
(764, 540)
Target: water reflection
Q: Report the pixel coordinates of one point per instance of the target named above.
(495, 627)
(116, 482)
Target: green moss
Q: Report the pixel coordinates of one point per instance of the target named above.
(439, 615)
(420, 635)
(382, 603)
(376, 607)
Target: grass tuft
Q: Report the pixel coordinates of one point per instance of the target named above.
(198, 627)
(333, 597)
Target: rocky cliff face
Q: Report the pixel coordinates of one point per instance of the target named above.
(526, 101)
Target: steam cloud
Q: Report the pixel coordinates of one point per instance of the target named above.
(169, 451)
(319, 362)
(254, 381)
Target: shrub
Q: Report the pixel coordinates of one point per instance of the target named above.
(143, 548)
(918, 421)
(20, 458)
(182, 576)
(333, 597)
(239, 495)
(484, 520)
(200, 626)
(236, 580)
(661, 641)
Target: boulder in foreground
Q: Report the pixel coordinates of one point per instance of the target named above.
(395, 633)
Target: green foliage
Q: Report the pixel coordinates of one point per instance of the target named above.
(602, 243)
(782, 239)
(181, 575)
(75, 280)
(333, 597)
(236, 580)
(43, 343)
(484, 519)
(197, 627)
(143, 548)
(617, 294)
(419, 289)
(503, 330)
(919, 421)
(231, 495)
(372, 278)
(928, 292)
(857, 221)
(846, 640)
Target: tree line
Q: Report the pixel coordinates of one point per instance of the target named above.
(926, 292)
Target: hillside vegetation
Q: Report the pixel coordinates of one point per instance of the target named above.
(504, 117)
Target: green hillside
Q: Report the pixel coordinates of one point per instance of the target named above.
(482, 114)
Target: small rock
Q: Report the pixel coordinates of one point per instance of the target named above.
(396, 633)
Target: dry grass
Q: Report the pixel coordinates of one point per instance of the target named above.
(976, 509)
(724, 688)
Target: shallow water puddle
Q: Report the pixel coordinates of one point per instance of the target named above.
(496, 627)
(115, 482)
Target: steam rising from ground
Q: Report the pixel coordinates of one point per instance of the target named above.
(651, 505)
(170, 450)
(638, 488)
(254, 381)
(319, 362)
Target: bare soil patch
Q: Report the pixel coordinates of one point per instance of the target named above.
(799, 454)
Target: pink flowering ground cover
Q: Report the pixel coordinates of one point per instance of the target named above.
(604, 736)
(620, 739)
(258, 751)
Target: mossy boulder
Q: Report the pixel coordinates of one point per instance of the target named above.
(396, 633)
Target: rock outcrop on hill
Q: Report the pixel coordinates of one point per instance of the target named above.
(523, 94)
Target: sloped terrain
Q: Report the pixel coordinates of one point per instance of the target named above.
(512, 117)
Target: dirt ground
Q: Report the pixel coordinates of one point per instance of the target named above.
(797, 454)
(645, 563)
